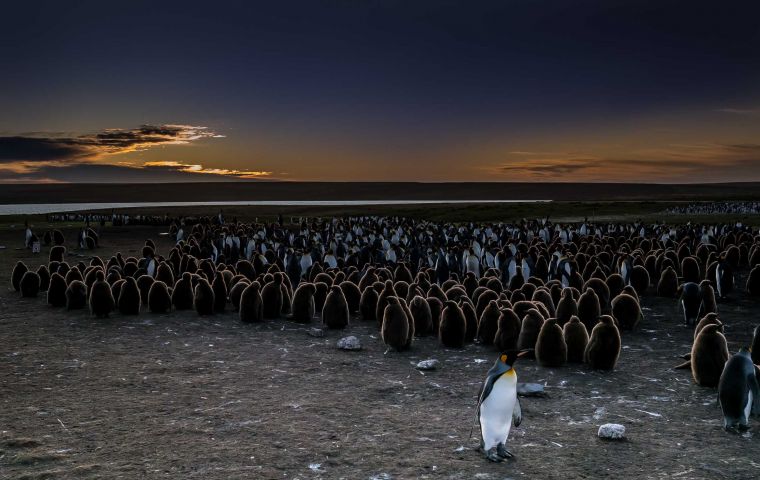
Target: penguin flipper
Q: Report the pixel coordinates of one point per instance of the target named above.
(684, 366)
(755, 389)
(517, 413)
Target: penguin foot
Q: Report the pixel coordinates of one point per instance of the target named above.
(501, 450)
(493, 456)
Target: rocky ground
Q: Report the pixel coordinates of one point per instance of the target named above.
(180, 396)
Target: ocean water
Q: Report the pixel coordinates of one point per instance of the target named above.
(42, 208)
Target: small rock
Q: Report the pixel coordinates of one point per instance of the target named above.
(316, 332)
(530, 390)
(430, 364)
(612, 431)
(349, 343)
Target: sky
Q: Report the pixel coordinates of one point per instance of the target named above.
(545, 91)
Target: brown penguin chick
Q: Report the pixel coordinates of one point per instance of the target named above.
(219, 286)
(303, 308)
(29, 284)
(409, 320)
(320, 295)
(629, 290)
(74, 275)
(287, 296)
(182, 294)
(436, 308)
(589, 309)
(368, 304)
(44, 275)
(483, 300)
(448, 284)
(472, 320)
(401, 289)
(542, 295)
(603, 347)
(615, 284)
(271, 294)
(116, 289)
(144, 283)
(567, 307)
(507, 331)
(528, 289)
(709, 355)
(335, 313)
(576, 338)
(353, 296)
(76, 295)
(129, 300)
(437, 292)
(551, 349)
(159, 299)
(456, 294)
(690, 270)
(56, 294)
(203, 300)
(627, 312)
(470, 283)
(517, 296)
(402, 273)
(709, 305)
(423, 319)
(236, 292)
(668, 284)
(709, 319)
(164, 273)
(252, 304)
(101, 297)
(382, 299)
(602, 292)
(529, 330)
(522, 307)
(368, 278)
(640, 279)
(395, 325)
(57, 253)
(489, 323)
(453, 326)
(18, 272)
(753, 282)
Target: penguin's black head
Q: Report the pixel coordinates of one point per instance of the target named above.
(509, 357)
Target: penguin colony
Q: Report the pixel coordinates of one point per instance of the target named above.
(561, 293)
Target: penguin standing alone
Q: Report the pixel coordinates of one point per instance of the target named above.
(498, 407)
(738, 391)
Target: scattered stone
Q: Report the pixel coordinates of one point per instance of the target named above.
(430, 364)
(349, 343)
(612, 431)
(316, 332)
(530, 390)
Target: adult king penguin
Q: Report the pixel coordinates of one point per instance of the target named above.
(498, 407)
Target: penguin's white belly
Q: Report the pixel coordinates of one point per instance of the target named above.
(496, 411)
(748, 406)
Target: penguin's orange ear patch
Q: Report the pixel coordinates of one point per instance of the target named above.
(504, 358)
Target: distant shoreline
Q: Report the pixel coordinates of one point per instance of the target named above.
(369, 191)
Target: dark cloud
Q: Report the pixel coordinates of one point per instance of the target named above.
(550, 167)
(55, 148)
(33, 149)
(678, 163)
